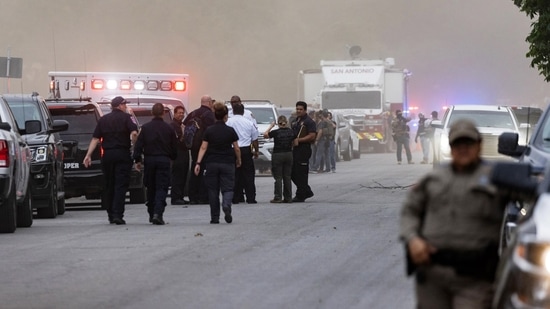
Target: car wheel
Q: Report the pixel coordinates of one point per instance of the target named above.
(337, 151)
(138, 196)
(8, 215)
(349, 150)
(61, 206)
(24, 211)
(50, 211)
(357, 154)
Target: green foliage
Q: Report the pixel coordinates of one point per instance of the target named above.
(539, 38)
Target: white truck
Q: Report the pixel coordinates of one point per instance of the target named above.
(167, 88)
(367, 92)
(310, 83)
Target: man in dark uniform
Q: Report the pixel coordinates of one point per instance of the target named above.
(198, 193)
(116, 131)
(157, 142)
(450, 225)
(180, 166)
(305, 129)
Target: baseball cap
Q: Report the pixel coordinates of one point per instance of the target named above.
(463, 129)
(117, 101)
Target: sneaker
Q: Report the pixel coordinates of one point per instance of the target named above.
(276, 201)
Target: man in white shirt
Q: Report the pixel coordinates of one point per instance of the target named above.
(248, 143)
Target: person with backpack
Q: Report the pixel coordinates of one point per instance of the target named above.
(196, 124)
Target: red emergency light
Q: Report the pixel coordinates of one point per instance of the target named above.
(180, 85)
(98, 84)
(125, 85)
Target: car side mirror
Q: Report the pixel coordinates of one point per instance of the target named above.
(33, 126)
(517, 177)
(60, 125)
(508, 145)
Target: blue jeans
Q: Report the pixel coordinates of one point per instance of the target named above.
(219, 177)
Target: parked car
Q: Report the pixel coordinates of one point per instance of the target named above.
(523, 274)
(265, 113)
(136, 189)
(491, 121)
(343, 138)
(15, 160)
(46, 147)
(82, 115)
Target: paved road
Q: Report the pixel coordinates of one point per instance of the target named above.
(337, 250)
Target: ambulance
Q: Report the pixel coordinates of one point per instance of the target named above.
(166, 88)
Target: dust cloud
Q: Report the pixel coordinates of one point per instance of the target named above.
(459, 51)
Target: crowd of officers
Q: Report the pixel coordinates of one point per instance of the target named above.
(161, 151)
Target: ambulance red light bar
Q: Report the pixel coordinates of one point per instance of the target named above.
(149, 85)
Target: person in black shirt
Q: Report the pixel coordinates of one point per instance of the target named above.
(219, 154)
(157, 142)
(198, 194)
(281, 160)
(180, 166)
(116, 131)
(305, 130)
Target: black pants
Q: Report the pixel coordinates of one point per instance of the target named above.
(197, 188)
(180, 171)
(220, 177)
(116, 165)
(157, 181)
(300, 169)
(245, 176)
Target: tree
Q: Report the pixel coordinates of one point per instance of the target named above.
(539, 38)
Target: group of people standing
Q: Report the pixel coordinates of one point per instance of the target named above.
(222, 157)
(401, 136)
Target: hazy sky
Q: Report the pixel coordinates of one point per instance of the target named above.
(459, 51)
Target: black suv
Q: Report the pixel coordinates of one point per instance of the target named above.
(47, 152)
(82, 115)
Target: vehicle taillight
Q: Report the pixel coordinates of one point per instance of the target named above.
(4, 154)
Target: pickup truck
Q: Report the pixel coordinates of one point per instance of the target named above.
(15, 160)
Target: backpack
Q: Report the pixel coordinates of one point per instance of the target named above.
(328, 131)
(190, 132)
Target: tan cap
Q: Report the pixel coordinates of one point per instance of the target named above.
(463, 129)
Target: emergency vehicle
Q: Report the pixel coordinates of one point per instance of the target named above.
(367, 92)
(166, 88)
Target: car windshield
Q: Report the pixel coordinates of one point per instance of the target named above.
(24, 111)
(262, 115)
(81, 120)
(144, 116)
(493, 119)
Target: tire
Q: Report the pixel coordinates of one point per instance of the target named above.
(138, 196)
(347, 154)
(337, 154)
(61, 206)
(24, 211)
(8, 215)
(50, 211)
(357, 154)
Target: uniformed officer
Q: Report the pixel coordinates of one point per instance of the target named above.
(248, 143)
(157, 142)
(180, 166)
(117, 131)
(198, 193)
(305, 129)
(450, 224)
